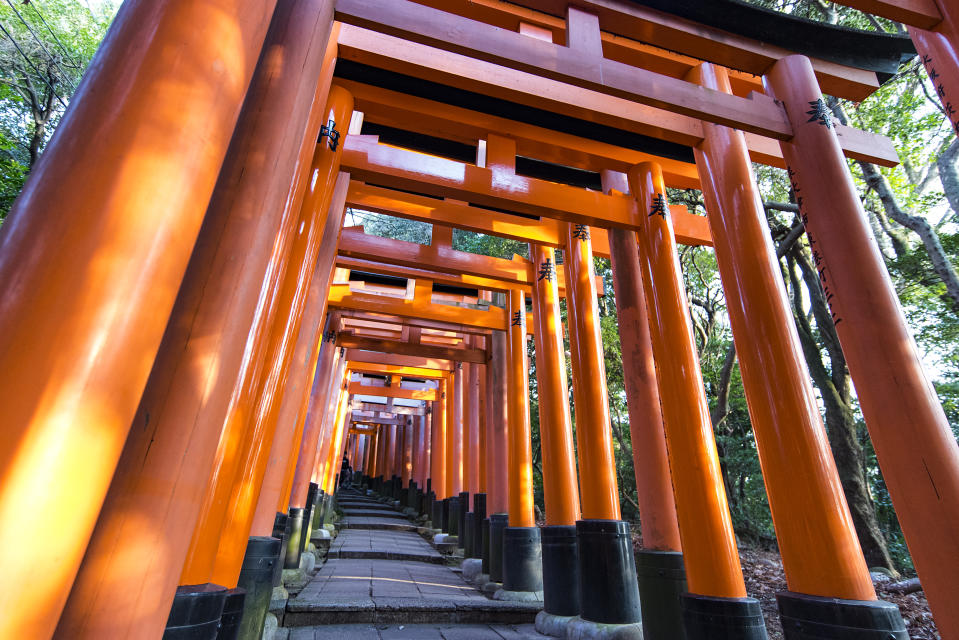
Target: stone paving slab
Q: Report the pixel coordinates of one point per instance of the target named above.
(376, 522)
(384, 513)
(418, 632)
(388, 545)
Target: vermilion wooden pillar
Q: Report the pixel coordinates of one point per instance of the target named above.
(162, 476)
(939, 50)
(914, 444)
(408, 439)
(293, 396)
(471, 420)
(454, 443)
(223, 530)
(561, 589)
(789, 432)
(520, 455)
(339, 385)
(709, 544)
(93, 253)
(326, 368)
(438, 443)
(660, 561)
(497, 419)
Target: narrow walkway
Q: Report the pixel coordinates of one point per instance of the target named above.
(383, 581)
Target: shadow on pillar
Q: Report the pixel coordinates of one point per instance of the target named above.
(196, 612)
(662, 583)
(232, 615)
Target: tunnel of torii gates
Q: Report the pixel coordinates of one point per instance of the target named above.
(192, 342)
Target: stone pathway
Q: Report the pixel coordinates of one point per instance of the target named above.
(383, 581)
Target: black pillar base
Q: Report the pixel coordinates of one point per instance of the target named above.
(294, 542)
(319, 504)
(607, 572)
(256, 577)
(445, 515)
(479, 515)
(281, 531)
(497, 525)
(561, 594)
(807, 617)
(461, 527)
(232, 615)
(707, 617)
(522, 559)
(196, 612)
(311, 495)
(436, 514)
(662, 582)
(485, 545)
(453, 519)
(466, 535)
(328, 510)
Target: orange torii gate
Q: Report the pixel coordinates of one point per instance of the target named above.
(189, 348)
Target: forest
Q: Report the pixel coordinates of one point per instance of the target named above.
(45, 46)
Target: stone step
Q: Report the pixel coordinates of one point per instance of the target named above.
(414, 632)
(388, 610)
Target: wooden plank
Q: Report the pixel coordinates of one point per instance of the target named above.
(397, 370)
(405, 348)
(396, 408)
(419, 323)
(451, 32)
(359, 389)
(690, 229)
(378, 357)
(637, 22)
(418, 60)
(915, 13)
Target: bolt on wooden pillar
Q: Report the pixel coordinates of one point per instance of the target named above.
(609, 591)
(914, 444)
(660, 572)
(162, 475)
(522, 566)
(938, 48)
(709, 545)
(561, 590)
(93, 253)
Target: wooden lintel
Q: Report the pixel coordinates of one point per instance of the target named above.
(395, 409)
(405, 348)
(418, 60)
(397, 359)
(397, 370)
(360, 389)
(419, 323)
(451, 32)
(916, 13)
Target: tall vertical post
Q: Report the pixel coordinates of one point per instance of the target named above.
(561, 590)
(914, 444)
(938, 48)
(439, 436)
(471, 447)
(88, 287)
(717, 602)
(497, 446)
(408, 439)
(171, 446)
(660, 572)
(609, 593)
(522, 566)
(817, 539)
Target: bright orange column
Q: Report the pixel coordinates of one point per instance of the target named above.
(163, 473)
(497, 425)
(914, 444)
(292, 398)
(471, 444)
(561, 493)
(654, 487)
(423, 465)
(223, 531)
(326, 367)
(520, 449)
(340, 382)
(408, 440)
(482, 400)
(709, 545)
(599, 494)
(438, 443)
(454, 442)
(334, 460)
(92, 256)
(939, 50)
(817, 539)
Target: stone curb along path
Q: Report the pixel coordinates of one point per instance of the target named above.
(382, 579)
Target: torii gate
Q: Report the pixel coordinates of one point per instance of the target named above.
(167, 272)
